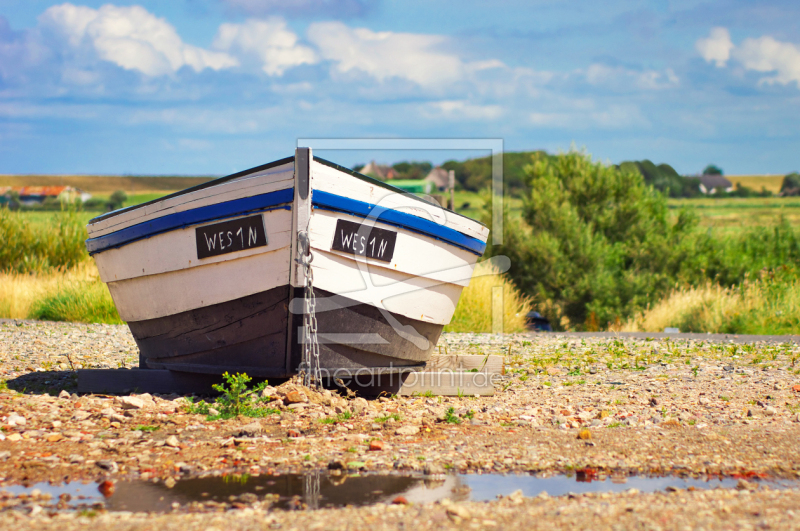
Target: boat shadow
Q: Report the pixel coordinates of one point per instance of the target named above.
(44, 382)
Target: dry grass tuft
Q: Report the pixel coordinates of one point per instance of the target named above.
(474, 310)
(763, 306)
(76, 294)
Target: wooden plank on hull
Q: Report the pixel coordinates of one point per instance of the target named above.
(224, 192)
(448, 383)
(442, 262)
(179, 291)
(177, 250)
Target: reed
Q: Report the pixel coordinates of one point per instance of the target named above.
(75, 294)
(474, 310)
(766, 305)
(35, 247)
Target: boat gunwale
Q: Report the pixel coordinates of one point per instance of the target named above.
(384, 184)
(280, 162)
(202, 186)
(95, 245)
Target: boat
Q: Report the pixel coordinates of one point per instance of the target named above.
(219, 277)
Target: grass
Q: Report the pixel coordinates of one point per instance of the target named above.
(28, 247)
(768, 305)
(75, 294)
(474, 310)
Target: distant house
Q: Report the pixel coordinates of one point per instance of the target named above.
(440, 178)
(711, 184)
(414, 186)
(379, 170)
(36, 195)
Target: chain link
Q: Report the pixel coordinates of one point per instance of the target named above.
(309, 366)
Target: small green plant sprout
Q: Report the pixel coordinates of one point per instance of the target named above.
(146, 428)
(236, 399)
(469, 415)
(395, 416)
(341, 417)
(451, 417)
(695, 369)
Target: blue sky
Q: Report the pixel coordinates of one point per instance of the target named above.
(216, 86)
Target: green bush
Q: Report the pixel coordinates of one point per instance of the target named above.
(81, 301)
(596, 244)
(28, 248)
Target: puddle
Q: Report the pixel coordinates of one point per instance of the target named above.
(317, 490)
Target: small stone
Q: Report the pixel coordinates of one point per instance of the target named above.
(108, 465)
(770, 411)
(169, 483)
(106, 488)
(294, 397)
(796, 388)
(375, 426)
(213, 412)
(130, 402)
(55, 437)
(336, 465)
(293, 433)
(400, 500)
(407, 430)
(15, 420)
(653, 402)
(172, 442)
(14, 437)
(63, 394)
(254, 429)
(375, 446)
(743, 484)
(516, 497)
(75, 458)
(81, 415)
(358, 405)
(460, 512)
(584, 434)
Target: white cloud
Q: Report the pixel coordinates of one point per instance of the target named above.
(769, 55)
(269, 41)
(585, 115)
(716, 47)
(624, 78)
(384, 55)
(462, 110)
(764, 54)
(130, 37)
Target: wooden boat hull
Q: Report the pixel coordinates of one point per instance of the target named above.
(201, 296)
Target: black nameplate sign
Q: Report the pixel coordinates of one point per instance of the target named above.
(230, 236)
(362, 240)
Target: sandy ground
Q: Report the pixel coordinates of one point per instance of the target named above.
(615, 406)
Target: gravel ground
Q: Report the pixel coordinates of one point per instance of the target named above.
(618, 406)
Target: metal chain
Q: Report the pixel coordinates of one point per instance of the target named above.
(309, 367)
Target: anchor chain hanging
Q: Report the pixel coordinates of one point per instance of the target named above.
(309, 366)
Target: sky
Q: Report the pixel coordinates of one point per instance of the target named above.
(210, 87)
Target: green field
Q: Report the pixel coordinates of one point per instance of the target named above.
(732, 213)
(725, 214)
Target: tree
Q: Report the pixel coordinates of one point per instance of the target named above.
(117, 199)
(791, 184)
(712, 169)
(595, 243)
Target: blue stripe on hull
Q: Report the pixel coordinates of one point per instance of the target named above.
(328, 201)
(179, 220)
